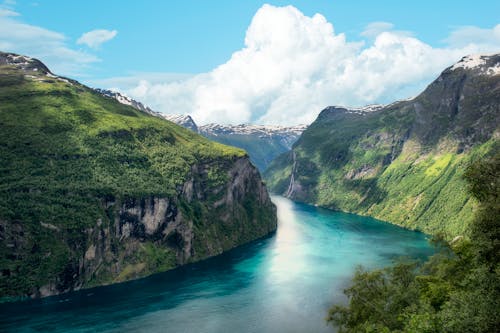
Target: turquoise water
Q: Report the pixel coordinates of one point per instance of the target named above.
(284, 283)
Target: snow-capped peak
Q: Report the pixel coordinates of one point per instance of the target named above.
(484, 64)
(25, 63)
(14, 59)
(124, 99)
(357, 110)
(470, 62)
(182, 120)
(284, 135)
(248, 129)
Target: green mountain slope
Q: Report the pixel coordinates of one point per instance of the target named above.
(94, 192)
(404, 162)
(455, 290)
(263, 143)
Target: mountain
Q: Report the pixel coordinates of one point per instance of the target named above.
(182, 120)
(404, 162)
(93, 191)
(263, 143)
(125, 100)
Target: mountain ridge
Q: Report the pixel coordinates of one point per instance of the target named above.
(404, 162)
(262, 142)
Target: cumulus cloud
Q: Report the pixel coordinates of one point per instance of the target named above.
(7, 12)
(468, 35)
(293, 65)
(96, 38)
(376, 28)
(134, 79)
(49, 46)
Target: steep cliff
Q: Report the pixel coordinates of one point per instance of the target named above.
(403, 162)
(94, 192)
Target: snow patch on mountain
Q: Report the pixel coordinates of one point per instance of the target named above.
(182, 120)
(470, 62)
(495, 70)
(483, 64)
(248, 129)
(286, 135)
(357, 110)
(124, 99)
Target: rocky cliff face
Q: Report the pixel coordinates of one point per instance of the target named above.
(403, 162)
(95, 192)
(151, 234)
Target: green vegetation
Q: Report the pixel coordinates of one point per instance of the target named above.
(375, 172)
(71, 159)
(404, 163)
(456, 290)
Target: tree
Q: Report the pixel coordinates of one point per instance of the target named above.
(456, 290)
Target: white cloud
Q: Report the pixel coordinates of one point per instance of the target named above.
(376, 28)
(292, 66)
(7, 12)
(49, 46)
(130, 81)
(96, 38)
(468, 35)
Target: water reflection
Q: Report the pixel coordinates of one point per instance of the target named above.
(283, 283)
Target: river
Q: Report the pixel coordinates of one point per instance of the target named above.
(284, 283)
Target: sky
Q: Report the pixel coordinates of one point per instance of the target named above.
(269, 62)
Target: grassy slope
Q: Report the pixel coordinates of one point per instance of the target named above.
(417, 190)
(398, 165)
(63, 149)
(456, 290)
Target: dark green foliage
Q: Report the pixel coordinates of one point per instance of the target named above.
(403, 163)
(65, 151)
(456, 290)
(377, 298)
(484, 180)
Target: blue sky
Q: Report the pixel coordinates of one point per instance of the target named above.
(195, 36)
(159, 42)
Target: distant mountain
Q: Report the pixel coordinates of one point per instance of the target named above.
(403, 162)
(263, 143)
(125, 100)
(183, 120)
(94, 192)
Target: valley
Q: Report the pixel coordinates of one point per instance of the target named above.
(116, 217)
